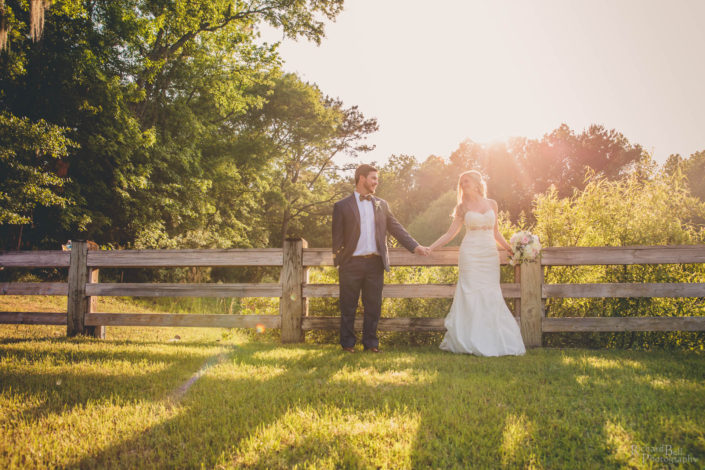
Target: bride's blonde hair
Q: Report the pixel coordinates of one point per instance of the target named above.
(480, 186)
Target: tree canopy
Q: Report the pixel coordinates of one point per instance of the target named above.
(156, 96)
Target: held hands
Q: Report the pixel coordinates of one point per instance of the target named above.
(422, 250)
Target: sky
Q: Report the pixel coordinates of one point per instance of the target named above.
(436, 73)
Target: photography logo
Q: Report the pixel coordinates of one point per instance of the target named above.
(664, 454)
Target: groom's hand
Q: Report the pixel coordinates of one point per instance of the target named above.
(421, 250)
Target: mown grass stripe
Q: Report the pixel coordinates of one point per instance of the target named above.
(179, 393)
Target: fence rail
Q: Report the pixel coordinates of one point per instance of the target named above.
(184, 290)
(528, 289)
(184, 258)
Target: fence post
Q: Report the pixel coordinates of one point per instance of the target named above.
(531, 302)
(293, 306)
(517, 302)
(78, 303)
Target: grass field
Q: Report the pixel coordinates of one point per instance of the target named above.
(227, 399)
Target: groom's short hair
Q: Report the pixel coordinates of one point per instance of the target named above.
(363, 170)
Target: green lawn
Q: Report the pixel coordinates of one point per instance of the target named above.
(124, 402)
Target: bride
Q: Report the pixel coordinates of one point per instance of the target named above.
(479, 321)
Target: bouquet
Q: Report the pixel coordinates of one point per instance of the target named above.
(526, 247)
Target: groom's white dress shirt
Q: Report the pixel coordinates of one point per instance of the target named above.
(366, 245)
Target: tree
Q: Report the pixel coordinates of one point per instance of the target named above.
(694, 170)
(36, 20)
(435, 220)
(518, 169)
(32, 163)
(627, 211)
(398, 185)
(300, 131)
(150, 90)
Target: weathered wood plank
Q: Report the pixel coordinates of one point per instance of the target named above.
(293, 305)
(183, 290)
(34, 259)
(584, 255)
(323, 257)
(97, 331)
(34, 288)
(531, 304)
(624, 290)
(77, 301)
(594, 324)
(179, 258)
(517, 302)
(397, 257)
(509, 290)
(385, 324)
(32, 318)
(183, 320)
(321, 290)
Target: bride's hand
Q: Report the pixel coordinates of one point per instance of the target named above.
(421, 250)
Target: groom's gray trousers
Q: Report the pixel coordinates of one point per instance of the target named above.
(361, 275)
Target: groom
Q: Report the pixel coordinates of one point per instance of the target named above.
(360, 225)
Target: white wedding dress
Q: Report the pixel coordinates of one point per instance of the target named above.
(479, 321)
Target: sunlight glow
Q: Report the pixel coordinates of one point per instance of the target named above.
(372, 377)
(488, 70)
(516, 438)
(620, 442)
(330, 435)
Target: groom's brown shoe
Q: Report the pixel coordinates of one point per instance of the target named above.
(374, 350)
(350, 350)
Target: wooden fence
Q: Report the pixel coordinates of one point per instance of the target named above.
(528, 289)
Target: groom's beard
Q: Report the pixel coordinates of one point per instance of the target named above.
(370, 189)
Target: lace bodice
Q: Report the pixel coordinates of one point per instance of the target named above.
(479, 220)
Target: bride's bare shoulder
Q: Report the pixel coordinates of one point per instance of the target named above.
(493, 205)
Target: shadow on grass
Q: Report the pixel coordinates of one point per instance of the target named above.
(88, 374)
(274, 406)
(270, 406)
(247, 392)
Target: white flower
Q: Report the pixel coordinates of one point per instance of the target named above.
(526, 246)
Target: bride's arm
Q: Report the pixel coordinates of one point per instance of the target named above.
(453, 230)
(499, 238)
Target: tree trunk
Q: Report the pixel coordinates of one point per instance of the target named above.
(19, 238)
(285, 223)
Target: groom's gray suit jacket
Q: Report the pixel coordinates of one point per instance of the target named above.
(346, 230)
